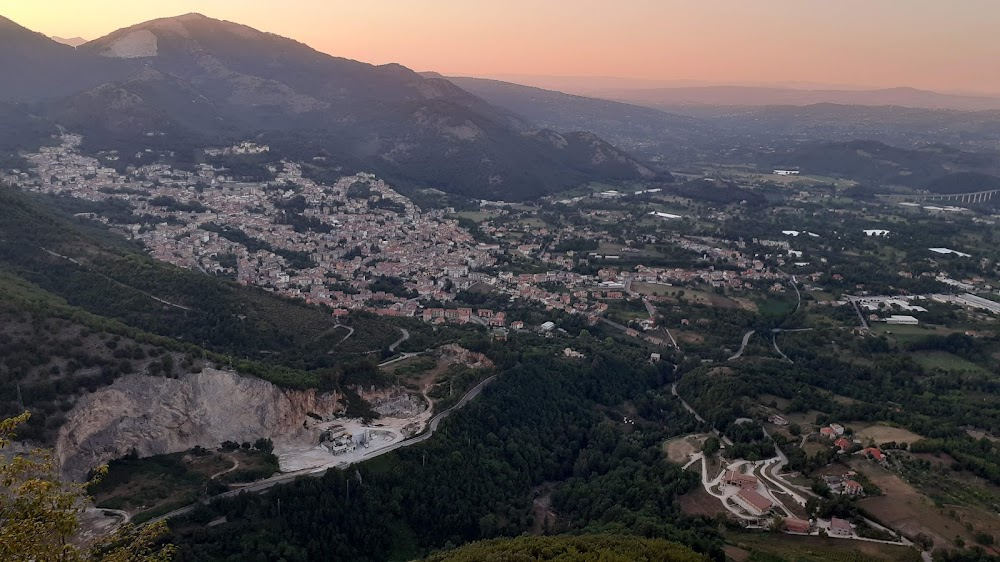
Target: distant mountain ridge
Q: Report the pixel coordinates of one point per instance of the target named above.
(71, 41)
(762, 96)
(199, 80)
(635, 127)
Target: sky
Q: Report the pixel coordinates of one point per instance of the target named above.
(951, 46)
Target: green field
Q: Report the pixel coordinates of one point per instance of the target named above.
(908, 333)
(946, 362)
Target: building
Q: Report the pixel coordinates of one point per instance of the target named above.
(786, 172)
(853, 488)
(548, 326)
(752, 502)
(875, 454)
(840, 527)
(737, 478)
(843, 443)
(793, 525)
(902, 320)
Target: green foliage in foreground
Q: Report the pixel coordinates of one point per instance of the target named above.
(585, 548)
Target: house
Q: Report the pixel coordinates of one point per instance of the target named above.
(793, 525)
(827, 432)
(548, 326)
(853, 488)
(752, 502)
(568, 352)
(777, 420)
(737, 478)
(840, 527)
(654, 357)
(843, 443)
(875, 454)
(837, 428)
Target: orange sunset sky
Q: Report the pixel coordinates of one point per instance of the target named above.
(935, 44)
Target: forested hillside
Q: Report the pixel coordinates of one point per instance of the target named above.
(543, 420)
(82, 306)
(587, 548)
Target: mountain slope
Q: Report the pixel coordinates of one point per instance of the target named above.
(41, 68)
(881, 164)
(634, 127)
(203, 81)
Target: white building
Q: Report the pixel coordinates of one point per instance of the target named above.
(902, 320)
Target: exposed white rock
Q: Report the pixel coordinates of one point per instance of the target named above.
(157, 415)
(137, 44)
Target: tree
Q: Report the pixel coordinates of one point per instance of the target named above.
(39, 514)
(711, 446)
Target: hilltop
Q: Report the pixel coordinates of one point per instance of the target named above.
(191, 80)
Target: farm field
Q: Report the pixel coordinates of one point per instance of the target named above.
(772, 546)
(907, 510)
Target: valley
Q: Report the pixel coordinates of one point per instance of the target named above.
(260, 302)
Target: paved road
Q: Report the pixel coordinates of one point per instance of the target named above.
(774, 340)
(743, 345)
(268, 483)
(864, 323)
(673, 390)
(402, 357)
(395, 344)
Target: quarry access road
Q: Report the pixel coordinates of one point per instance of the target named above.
(263, 485)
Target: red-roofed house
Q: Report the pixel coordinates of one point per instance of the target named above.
(840, 527)
(853, 488)
(874, 453)
(737, 478)
(843, 443)
(793, 525)
(827, 432)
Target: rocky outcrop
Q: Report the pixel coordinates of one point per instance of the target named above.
(393, 402)
(456, 354)
(156, 415)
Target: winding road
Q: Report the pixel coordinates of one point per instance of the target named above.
(395, 344)
(743, 345)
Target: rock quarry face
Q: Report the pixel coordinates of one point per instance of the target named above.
(156, 415)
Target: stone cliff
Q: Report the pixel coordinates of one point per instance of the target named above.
(156, 415)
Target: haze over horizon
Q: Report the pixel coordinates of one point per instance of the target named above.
(850, 44)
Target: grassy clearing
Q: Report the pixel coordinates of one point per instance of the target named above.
(879, 433)
(908, 333)
(680, 448)
(946, 362)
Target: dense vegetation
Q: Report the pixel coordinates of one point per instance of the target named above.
(542, 420)
(586, 548)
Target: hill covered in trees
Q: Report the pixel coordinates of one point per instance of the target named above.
(584, 548)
